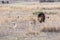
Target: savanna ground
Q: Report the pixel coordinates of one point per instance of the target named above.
(15, 23)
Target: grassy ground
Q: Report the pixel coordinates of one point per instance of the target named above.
(15, 23)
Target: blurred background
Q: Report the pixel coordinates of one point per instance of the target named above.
(17, 1)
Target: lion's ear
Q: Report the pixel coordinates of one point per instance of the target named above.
(41, 17)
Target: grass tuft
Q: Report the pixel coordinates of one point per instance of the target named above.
(50, 29)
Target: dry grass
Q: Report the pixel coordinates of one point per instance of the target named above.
(51, 29)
